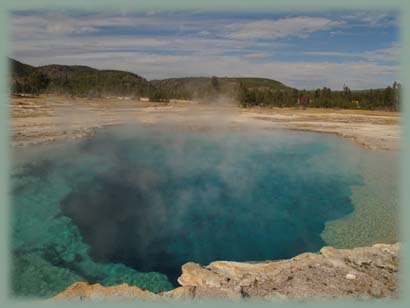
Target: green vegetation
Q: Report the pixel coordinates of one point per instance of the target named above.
(387, 99)
(26, 79)
(33, 83)
(76, 81)
(90, 82)
(205, 88)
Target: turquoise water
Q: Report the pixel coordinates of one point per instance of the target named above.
(133, 204)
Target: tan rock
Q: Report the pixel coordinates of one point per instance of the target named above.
(84, 291)
(360, 273)
(194, 274)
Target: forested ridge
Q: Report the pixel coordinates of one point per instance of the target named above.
(75, 80)
(387, 98)
(85, 81)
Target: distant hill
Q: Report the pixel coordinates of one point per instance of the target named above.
(203, 87)
(87, 81)
(76, 80)
(20, 70)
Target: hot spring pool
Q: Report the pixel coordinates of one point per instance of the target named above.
(132, 204)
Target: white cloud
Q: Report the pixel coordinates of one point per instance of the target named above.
(292, 26)
(60, 23)
(210, 47)
(204, 33)
(257, 55)
(371, 18)
(79, 45)
(391, 53)
(386, 54)
(68, 28)
(357, 75)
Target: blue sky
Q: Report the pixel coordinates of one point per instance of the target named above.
(301, 49)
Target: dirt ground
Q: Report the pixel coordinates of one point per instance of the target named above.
(50, 118)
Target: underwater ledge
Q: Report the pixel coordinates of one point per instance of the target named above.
(363, 272)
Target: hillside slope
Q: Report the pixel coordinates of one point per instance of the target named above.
(205, 87)
(76, 80)
(20, 70)
(85, 81)
(79, 80)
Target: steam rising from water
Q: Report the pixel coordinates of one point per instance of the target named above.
(151, 199)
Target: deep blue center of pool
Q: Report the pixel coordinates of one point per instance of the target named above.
(163, 199)
(156, 198)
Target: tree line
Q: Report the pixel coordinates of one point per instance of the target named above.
(387, 98)
(35, 83)
(79, 81)
(201, 89)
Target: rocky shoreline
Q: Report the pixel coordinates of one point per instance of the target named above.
(363, 272)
